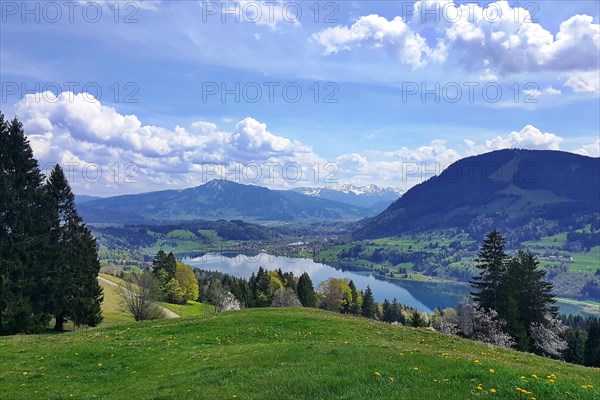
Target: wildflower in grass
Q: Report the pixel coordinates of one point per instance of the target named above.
(587, 387)
(522, 377)
(415, 369)
(377, 374)
(492, 390)
(99, 365)
(534, 376)
(492, 370)
(391, 379)
(477, 362)
(25, 373)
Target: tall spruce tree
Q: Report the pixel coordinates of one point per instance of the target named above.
(74, 292)
(159, 260)
(171, 265)
(369, 306)
(491, 262)
(355, 307)
(592, 346)
(387, 312)
(306, 291)
(529, 297)
(23, 233)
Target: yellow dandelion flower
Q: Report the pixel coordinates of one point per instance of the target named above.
(99, 365)
(492, 370)
(377, 373)
(492, 390)
(25, 373)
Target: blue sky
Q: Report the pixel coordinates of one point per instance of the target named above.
(361, 66)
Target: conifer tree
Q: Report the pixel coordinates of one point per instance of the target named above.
(368, 304)
(592, 346)
(23, 233)
(529, 298)
(387, 312)
(355, 307)
(306, 291)
(74, 292)
(159, 260)
(491, 261)
(397, 315)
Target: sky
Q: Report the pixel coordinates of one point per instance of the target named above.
(138, 96)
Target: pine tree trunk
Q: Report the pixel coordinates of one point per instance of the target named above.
(60, 321)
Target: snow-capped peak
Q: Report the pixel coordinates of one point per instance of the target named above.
(368, 190)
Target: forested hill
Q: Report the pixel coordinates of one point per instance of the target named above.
(501, 189)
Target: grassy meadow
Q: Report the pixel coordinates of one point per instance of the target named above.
(277, 354)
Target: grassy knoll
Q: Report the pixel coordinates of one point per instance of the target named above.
(277, 354)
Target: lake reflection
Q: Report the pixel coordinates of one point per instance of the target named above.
(424, 296)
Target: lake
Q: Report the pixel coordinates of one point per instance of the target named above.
(424, 296)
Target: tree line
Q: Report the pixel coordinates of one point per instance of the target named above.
(48, 257)
(282, 289)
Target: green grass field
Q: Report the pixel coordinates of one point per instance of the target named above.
(181, 234)
(191, 309)
(589, 261)
(277, 354)
(111, 308)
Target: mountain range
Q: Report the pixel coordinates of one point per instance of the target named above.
(370, 196)
(217, 199)
(510, 189)
(504, 189)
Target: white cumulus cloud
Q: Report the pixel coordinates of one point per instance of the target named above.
(496, 39)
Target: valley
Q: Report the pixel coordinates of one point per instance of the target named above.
(431, 233)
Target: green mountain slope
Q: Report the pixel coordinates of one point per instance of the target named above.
(505, 189)
(277, 354)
